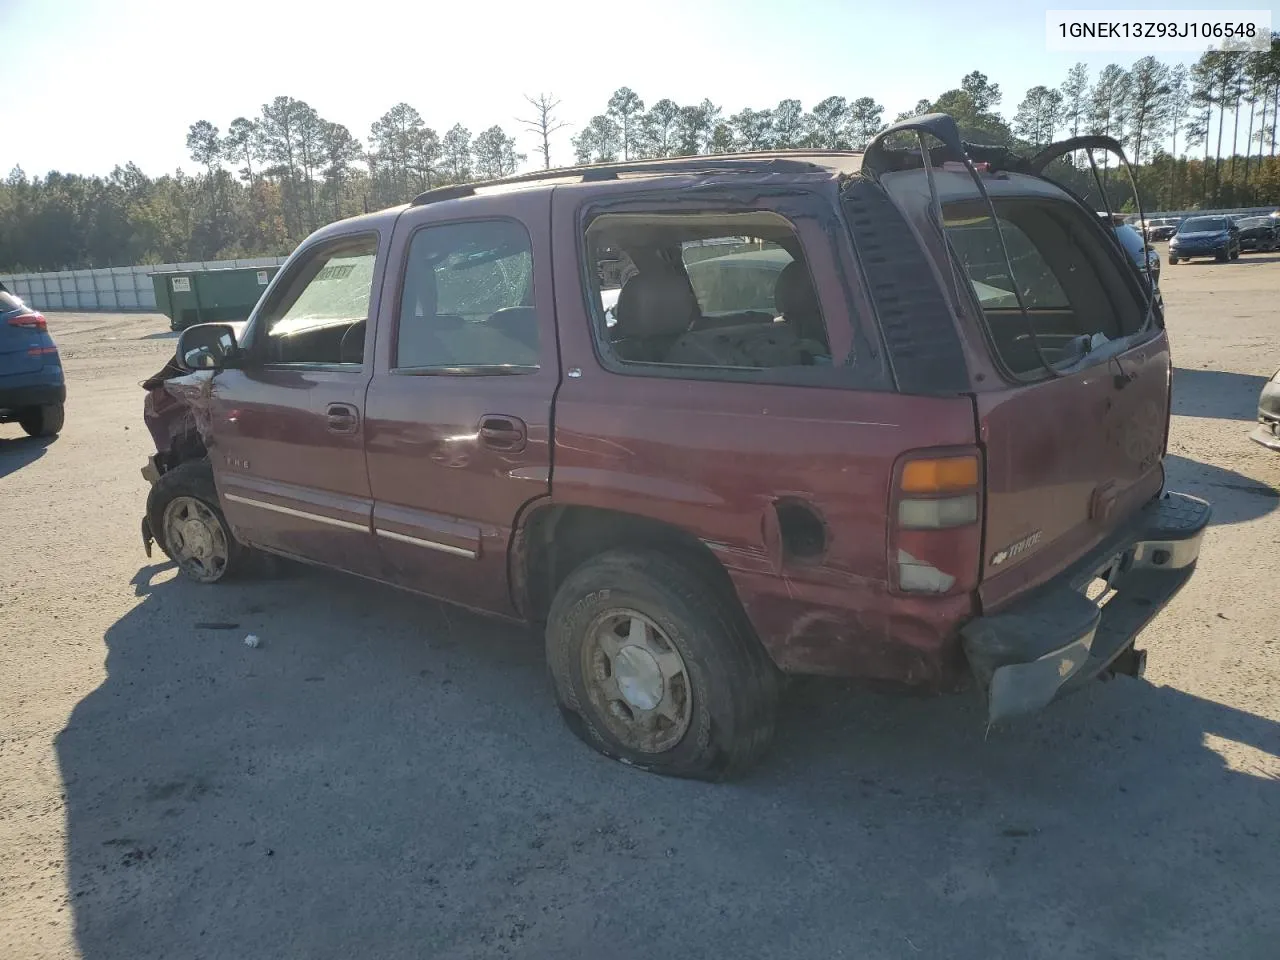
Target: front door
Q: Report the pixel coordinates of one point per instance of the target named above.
(287, 426)
(458, 419)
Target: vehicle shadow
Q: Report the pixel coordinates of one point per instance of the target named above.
(385, 778)
(165, 335)
(1218, 394)
(1236, 498)
(18, 452)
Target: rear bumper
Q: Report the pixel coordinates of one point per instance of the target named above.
(1058, 639)
(31, 395)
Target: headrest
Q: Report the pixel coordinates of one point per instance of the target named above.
(793, 294)
(656, 303)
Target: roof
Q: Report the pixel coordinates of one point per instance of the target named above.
(829, 162)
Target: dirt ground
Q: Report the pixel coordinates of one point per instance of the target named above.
(384, 778)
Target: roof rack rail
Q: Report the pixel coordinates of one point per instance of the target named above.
(590, 173)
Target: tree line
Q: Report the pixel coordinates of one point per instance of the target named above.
(268, 180)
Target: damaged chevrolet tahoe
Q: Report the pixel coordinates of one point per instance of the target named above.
(912, 431)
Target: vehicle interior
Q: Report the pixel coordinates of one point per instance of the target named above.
(320, 316)
(1070, 282)
(467, 299)
(710, 290)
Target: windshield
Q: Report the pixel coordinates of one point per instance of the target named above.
(1203, 225)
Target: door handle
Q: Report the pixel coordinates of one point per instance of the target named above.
(500, 432)
(342, 418)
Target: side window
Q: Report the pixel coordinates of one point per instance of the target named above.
(467, 299)
(704, 291)
(322, 315)
(1076, 293)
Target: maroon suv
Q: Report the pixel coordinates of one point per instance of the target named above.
(857, 415)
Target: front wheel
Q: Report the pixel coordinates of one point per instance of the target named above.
(184, 517)
(1173, 261)
(43, 421)
(654, 666)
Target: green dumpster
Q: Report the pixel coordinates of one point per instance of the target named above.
(207, 296)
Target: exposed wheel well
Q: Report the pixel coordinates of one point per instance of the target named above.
(557, 539)
(188, 445)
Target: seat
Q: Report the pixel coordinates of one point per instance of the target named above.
(797, 303)
(655, 308)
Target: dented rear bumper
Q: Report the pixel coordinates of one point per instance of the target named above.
(1058, 639)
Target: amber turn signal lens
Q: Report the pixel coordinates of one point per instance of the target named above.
(941, 475)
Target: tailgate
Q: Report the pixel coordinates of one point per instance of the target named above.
(1069, 460)
(1074, 430)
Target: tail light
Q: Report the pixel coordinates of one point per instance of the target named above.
(31, 321)
(935, 541)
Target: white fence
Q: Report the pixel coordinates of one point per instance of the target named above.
(110, 288)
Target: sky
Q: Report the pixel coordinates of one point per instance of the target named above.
(99, 83)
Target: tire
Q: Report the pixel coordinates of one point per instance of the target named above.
(193, 481)
(1173, 261)
(45, 421)
(1234, 256)
(727, 696)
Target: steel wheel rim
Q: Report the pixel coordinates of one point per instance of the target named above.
(196, 539)
(637, 681)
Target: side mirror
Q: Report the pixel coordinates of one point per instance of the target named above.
(208, 346)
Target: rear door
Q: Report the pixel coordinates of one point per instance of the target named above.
(459, 410)
(1070, 452)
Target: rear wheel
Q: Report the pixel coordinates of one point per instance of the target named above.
(43, 421)
(654, 666)
(184, 517)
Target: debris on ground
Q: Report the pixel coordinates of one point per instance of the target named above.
(252, 641)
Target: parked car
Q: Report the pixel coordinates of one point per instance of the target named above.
(875, 467)
(1143, 255)
(1261, 234)
(1216, 237)
(1161, 229)
(1267, 432)
(32, 388)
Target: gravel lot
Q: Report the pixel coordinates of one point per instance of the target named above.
(384, 778)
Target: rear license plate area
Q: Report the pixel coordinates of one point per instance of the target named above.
(1102, 587)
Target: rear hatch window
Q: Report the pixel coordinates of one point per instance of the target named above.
(1076, 300)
